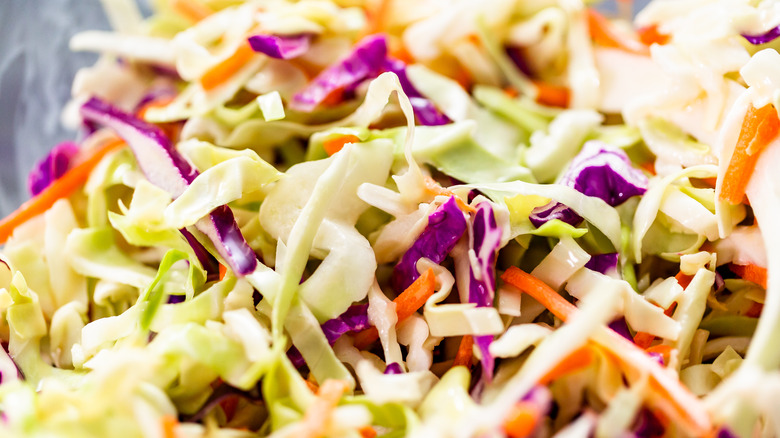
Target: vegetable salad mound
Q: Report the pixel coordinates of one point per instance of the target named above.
(391, 218)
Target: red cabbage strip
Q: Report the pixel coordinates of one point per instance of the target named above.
(763, 38)
(445, 227)
(425, 111)
(393, 368)
(606, 173)
(365, 62)
(485, 242)
(603, 263)
(599, 171)
(206, 260)
(647, 425)
(53, 166)
(280, 46)
(221, 228)
(620, 327)
(355, 318)
(167, 169)
(553, 210)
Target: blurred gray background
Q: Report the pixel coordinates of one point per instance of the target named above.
(36, 70)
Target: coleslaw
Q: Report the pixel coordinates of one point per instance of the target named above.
(385, 218)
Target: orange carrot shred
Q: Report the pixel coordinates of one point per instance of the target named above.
(649, 166)
(335, 144)
(643, 339)
(367, 432)
(317, 416)
(669, 395)
(169, 423)
(683, 279)
(603, 34)
(63, 187)
(376, 16)
(437, 190)
(227, 68)
(540, 291)
(759, 128)
(365, 338)
(192, 9)
(402, 54)
(406, 304)
(577, 360)
(649, 35)
(552, 95)
(465, 352)
(522, 420)
(511, 91)
(222, 271)
(750, 272)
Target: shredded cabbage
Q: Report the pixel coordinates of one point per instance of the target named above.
(252, 256)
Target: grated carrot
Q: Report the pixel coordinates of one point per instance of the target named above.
(465, 352)
(63, 187)
(644, 339)
(522, 420)
(221, 72)
(406, 304)
(603, 34)
(750, 272)
(222, 271)
(578, 359)
(367, 432)
(434, 188)
(335, 144)
(376, 16)
(667, 392)
(648, 166)
(192, 9)
(649, 35)
(318, 415)
(169, 424)
(759, 128)
(552, 95)
(683, 279)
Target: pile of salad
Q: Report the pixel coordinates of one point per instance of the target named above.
(391, 218)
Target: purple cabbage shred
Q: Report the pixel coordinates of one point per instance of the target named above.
(647, 425)
(620, 326)
(425, 111)
(553, 210)
(393, 368)
(368, 60)
(445, 227)
(599, 171)
(365, 62)
(281, 46)
(486, 238)
(355, 318)
(51, 167)
(763, 38)
(603, 263)
(166, 168)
